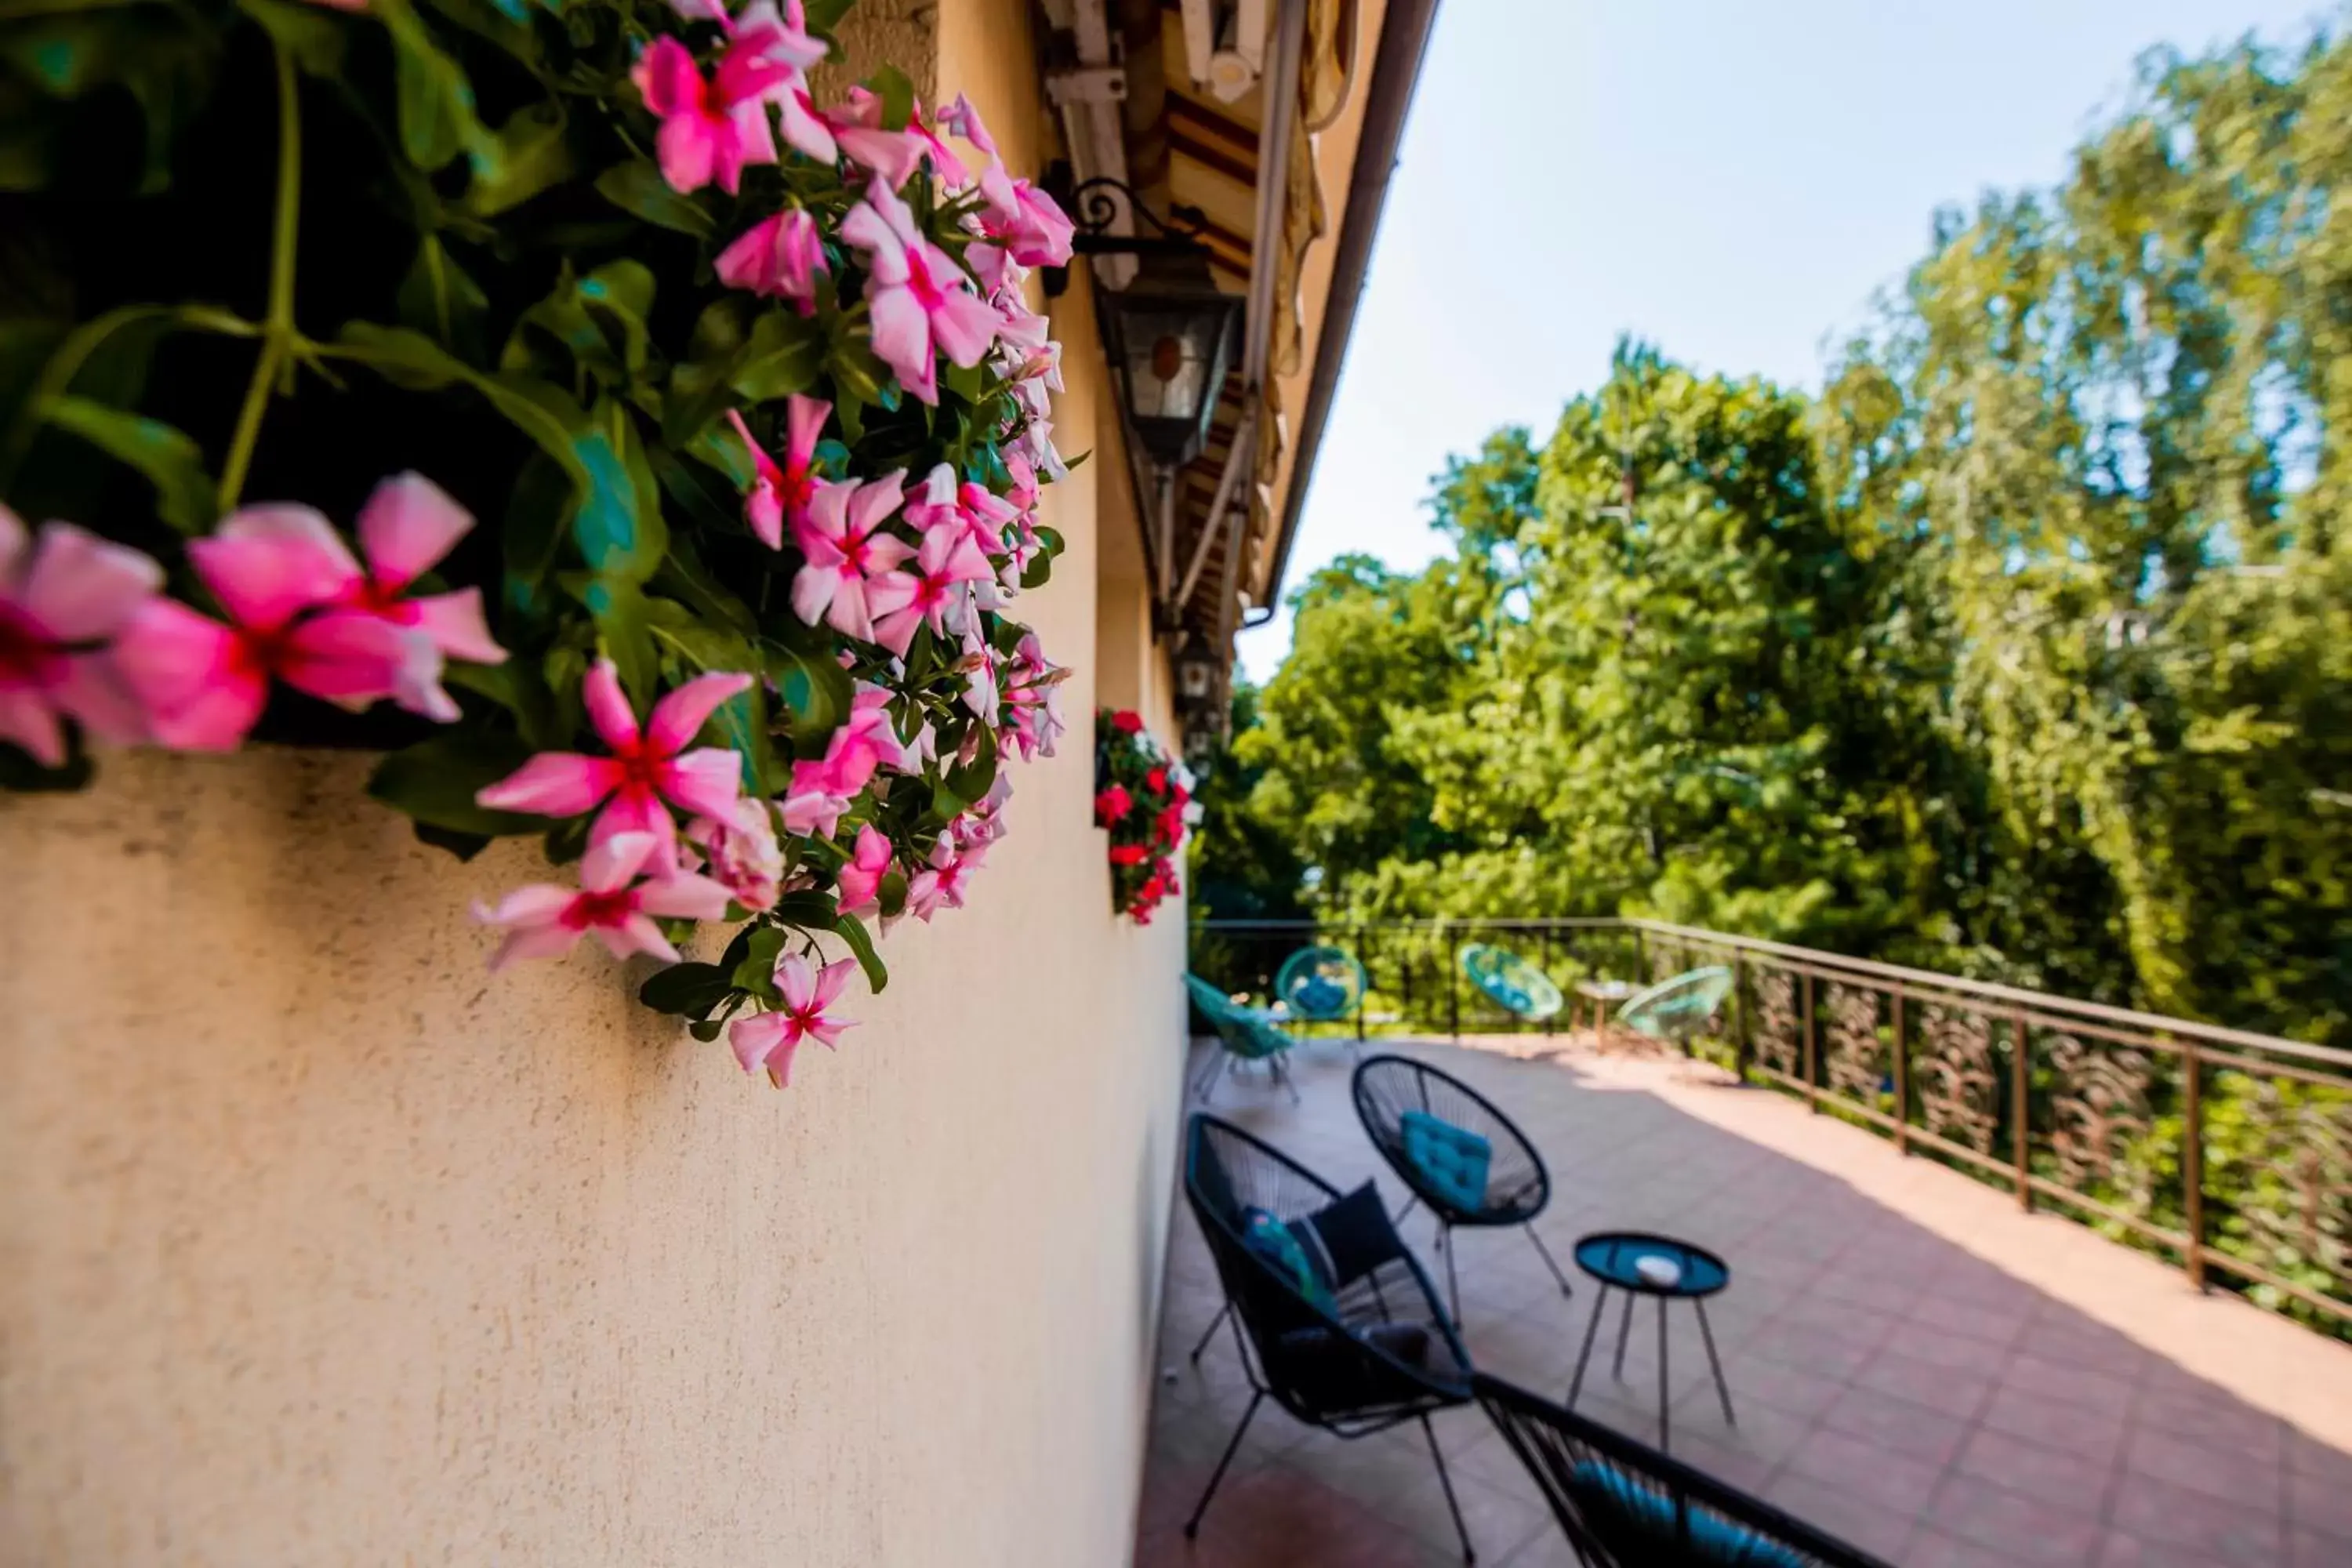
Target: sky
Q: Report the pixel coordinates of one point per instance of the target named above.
(1732, 180)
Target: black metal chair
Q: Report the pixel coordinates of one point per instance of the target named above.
(1623, 1504)
(1378, 1353)
(1517, 1187)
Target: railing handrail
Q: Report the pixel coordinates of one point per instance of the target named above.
(2014, 997)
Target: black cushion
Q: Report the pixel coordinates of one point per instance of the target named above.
(1322, 1369)
(1353, 1235)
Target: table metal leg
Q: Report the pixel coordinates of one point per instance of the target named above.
(1664, 1444)
(1624, 1330)
(1721, 1391)
(1592, 1332)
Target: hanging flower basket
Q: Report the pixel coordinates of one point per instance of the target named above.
(559, 398)
(1144, 797)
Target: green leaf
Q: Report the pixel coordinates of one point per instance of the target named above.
(756, 972)
(435, 781)
(690, 990)
(816, 694)
(171, 461)
(536, 514)
(624, 631)
(897, 95)
(437, 297)
(312, 36)
(534, 154)
(434, 103)
(639, 187)
(463, 846)
(684, 575)
(853, 931)
(785, 354)
(966, 781)
(618, 527)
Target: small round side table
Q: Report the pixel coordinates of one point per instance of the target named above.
(1676, 1271)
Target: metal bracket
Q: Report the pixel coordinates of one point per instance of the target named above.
(1087, 84)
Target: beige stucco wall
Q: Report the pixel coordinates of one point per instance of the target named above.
(319, 1244)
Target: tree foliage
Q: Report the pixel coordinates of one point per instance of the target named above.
(2024, 650)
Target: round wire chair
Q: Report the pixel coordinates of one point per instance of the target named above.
(1244, 1035)
(1320, 984)
(1518, 1187)
(1338, 1362)
(1679, 1009)
(1511, 983)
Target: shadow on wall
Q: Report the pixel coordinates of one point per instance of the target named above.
(1892, 1385)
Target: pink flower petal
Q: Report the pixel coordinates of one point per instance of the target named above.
(408, 525)
(679, 717)
(353, 658)
(795, 980)
(686, 896)
(95, 692)
(614, 721)
(635, 934)
(902, 338)
(553, 783)
(687, 148)
(188, 671)
(27, 720)
(706, 782)
(533, 942)
(612, 865)
(830, 979)
(964, 325)
(635, 812)
(754, 1038)
(268, 564)
(455, 623)
(81, 588)
(668, 78)
(534, 903)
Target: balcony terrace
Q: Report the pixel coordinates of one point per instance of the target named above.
(1920, 1362)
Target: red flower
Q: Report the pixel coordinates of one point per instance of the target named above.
(1112, 804)
(1163, 877)
(1130, 854)
(1126, 723)
(1171, 825)
(1156, 781)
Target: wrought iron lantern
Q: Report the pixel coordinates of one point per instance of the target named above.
(1169, 331)
(1197, 670)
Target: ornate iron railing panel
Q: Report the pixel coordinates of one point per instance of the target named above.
(2228, 1151)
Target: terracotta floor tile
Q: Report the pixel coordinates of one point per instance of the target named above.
(1897, 1425)
(1850, 1515)
(2088, 1432)
(1869, 1470)
(2026, 1530)
(2056, 1476)
(2190, 1521)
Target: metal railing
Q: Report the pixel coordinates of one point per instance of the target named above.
(2228, 1151)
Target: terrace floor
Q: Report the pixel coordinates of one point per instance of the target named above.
(1915, 1364)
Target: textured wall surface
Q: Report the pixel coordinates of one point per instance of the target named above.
(319, 1244)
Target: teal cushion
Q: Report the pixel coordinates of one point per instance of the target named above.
(1452, 1160)
(1638, 1524)
(1317, 997)
(1282, 1247)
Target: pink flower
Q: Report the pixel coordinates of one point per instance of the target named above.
(785, 41)
(770, 1040)
(971, 508)
(1034, 688)
(1029, 224)
(979, 665)
(934, 593)
(814, 812)
(778, 493)
(860, 877)
(920, 298)
(408, 525)
(709, 128)
(961, 119)
(845, 546)
(984, 823)
(866, 742)
(741, 851)
(58, 605)
(941, 880)
(290, 587)
(894, 155)
(778, 257)
(544, 920)
(646, 770)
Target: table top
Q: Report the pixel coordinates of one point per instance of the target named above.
(1605, 990)
(1613, 1257)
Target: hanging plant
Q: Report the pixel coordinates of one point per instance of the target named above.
(1144, 797)
(745, 389)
